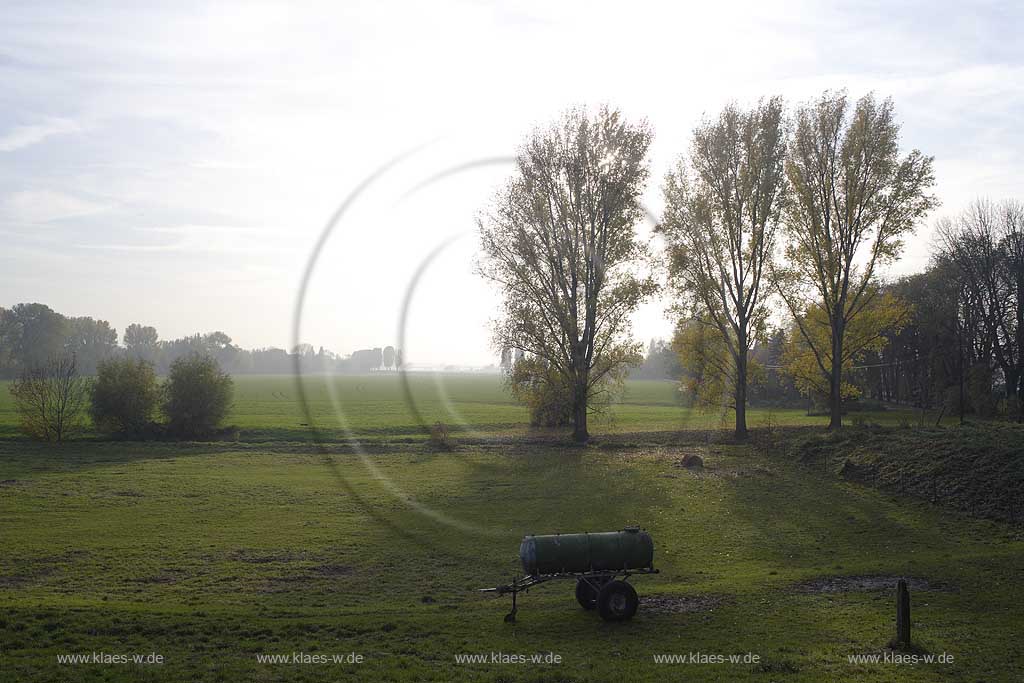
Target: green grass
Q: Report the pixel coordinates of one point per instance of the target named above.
(375, 407)
(209, 553)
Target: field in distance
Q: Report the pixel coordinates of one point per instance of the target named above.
(381, 406)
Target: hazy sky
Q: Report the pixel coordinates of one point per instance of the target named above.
(173, 165)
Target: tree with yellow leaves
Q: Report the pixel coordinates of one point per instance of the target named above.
(853, 201)
(808, 358)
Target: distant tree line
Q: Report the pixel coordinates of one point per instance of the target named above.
(31, 334)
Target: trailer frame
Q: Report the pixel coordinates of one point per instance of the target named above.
(525, 583)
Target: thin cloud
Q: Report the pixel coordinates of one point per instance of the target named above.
(28, 135)
(218, 239)
(43, 206)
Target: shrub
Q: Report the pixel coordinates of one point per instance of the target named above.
(124, 397)
(440, 437)
(50, 399)
(197, 396)
(544, 392)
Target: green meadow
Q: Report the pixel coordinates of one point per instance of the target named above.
(346, 532)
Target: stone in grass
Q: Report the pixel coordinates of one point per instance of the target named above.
(691, 461)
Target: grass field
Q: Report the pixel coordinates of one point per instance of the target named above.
(377, 408)
(210, 554)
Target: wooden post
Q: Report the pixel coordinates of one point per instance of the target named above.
(902, 614)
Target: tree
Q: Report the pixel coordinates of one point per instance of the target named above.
(723, 208)
(138, 338)
(33, 335)
(50, 398)
(854, 200)
(985, 246)
(1012, 242)
(560, 243)
(708, 369)
(124, 396)
(198, 396)
(920, 361)
(219, 345)
(91, 341)
(661, 363)
(367, 360)
(389, 357)
(6, 359)
(142, 341)
(884, 315)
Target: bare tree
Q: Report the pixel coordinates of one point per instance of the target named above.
(560, 241)
(723, 208)
(1012, 242)
(854, 200)
(51, 398)
(985, 245)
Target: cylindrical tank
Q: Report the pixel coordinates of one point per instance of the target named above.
(631, 548)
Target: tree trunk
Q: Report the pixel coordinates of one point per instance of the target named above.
(1011, 383)
(835, 383)
(1015, 391)
(579, 411)
(741, 398)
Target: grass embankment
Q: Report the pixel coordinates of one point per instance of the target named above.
(976, 468)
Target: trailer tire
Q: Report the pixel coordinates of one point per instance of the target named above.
(587, 591)
(617, 601)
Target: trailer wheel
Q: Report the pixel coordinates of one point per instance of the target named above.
(617, 601)
(587, 591)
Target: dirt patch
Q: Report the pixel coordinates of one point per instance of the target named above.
(681, 604)
(303, 577)
(332, 570)
(250, 556)
(33, 575)
(165, 578)
(863, 584)
(15, 580)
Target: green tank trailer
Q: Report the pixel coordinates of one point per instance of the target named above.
(630, 548)
(594, 561)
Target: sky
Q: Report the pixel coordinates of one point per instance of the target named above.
(176, 164)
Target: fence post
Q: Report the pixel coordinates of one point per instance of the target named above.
(902, 614)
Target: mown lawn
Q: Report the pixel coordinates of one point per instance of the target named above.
(213, 553)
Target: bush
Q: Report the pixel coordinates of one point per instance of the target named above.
(50, 399)
(544, 392)
(124, 397)
(197, 396)
(440, 437)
